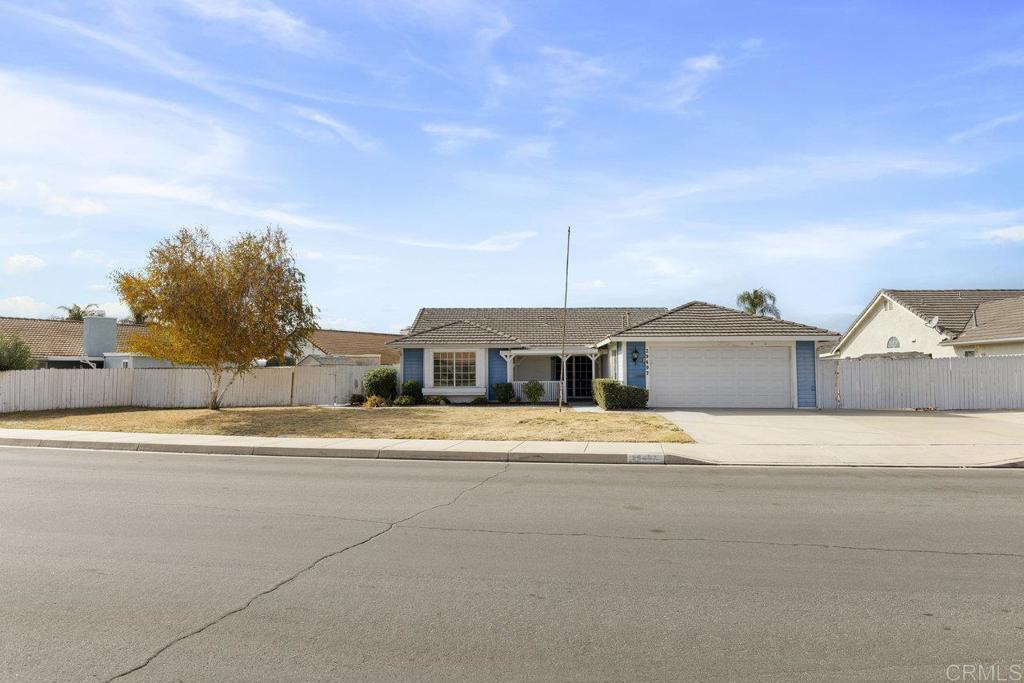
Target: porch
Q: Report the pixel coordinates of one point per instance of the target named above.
(541, 365)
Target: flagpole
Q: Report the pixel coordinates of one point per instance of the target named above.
(565, 311)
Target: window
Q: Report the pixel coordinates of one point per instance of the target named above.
(969, 353)
(124, 364)
(455, 369)
(893, 343)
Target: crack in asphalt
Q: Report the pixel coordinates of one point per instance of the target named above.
(292, 577)
(724, 541)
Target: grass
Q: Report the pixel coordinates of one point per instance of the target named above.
(454, 422)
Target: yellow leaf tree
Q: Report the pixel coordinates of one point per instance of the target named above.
(221, 307)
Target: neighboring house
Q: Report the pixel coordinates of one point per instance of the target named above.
(696, 355)
(95, 342)
(936, 323)
(346, 346)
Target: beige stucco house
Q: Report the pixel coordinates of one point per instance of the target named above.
(939, 323)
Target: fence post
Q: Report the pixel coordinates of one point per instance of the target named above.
(839, 395)
(291, 391)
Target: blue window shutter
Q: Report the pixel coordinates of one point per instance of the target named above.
(497, 371)
(412, 365)
(806, 392)
(636, 372)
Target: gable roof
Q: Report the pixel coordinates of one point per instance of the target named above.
(524, 326)
(1001, 319)
(953, 307)
(59, 338)
(701, 319)
(348, 343)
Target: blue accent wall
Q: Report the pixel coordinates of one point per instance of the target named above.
(412, 365)
(497, 371)
(636, 373)
(806, 392)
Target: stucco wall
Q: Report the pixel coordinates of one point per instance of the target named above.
(874, 331)
(1008, 349)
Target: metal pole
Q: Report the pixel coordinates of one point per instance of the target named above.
(565, 312)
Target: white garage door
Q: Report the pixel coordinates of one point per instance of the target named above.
(720, 376)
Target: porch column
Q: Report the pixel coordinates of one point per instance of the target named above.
(564, 372)
(510, 365)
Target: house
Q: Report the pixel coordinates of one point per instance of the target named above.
(695, 355)
(327, 347)
(936, 323)
(95, 342)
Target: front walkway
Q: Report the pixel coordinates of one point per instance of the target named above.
(851, 437)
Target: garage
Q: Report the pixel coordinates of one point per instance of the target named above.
(720, 376)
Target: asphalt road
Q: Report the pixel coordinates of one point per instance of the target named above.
(144, 567)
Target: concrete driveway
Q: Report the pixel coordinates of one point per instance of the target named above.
(848, 437)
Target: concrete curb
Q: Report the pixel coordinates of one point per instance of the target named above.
(646, 454)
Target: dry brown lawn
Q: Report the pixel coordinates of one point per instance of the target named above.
(446, 422)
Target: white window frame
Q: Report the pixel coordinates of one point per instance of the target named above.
(481, 371)
(888, 343)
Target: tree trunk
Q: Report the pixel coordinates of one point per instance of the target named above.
(214, 391)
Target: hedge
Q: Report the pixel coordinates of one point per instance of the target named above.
(611, 394)
(381, 382)
(413, 389)
(504, 392)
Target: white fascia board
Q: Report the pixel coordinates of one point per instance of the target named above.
(728, 338)
(956, 342)
(549, 351)
(864, 314)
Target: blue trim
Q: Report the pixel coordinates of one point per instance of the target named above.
(636, 372)
(412, 365)
(497, 371)
(806, 392)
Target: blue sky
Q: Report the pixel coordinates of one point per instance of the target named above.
(431, 152)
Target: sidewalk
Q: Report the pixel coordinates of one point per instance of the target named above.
(618, 453)
(409, 449)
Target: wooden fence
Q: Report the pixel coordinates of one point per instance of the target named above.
(175, 388)
(989, 383)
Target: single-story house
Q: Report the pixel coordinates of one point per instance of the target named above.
(326, 347)
(695, 355)
(95, 342)
(937, 323)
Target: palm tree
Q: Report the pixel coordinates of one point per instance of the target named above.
(78, 312)
(759, 301)
(136, 317)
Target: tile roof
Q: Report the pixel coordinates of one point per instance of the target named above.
(58, 338)
(953, 307)
(525, 326)
(699, 319)
(995, 320)
(460, 332)
(346, 342)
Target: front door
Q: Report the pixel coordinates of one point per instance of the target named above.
(579, 375)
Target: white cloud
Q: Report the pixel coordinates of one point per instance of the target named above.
(572, 74)
(687, 83)
(339, 128)
(263, 17)
(588, 285)
(8, 185)
(986, 127)
(504, 242)
(531, 149)
(1013, 233)
(23, 263)
(452, 138)
(57, 205)
(115, 309)
(23, 306)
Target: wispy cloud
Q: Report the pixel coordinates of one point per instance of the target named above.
(503, 242)
(262, 17)
(588, 285)
(571, 74)
(23, 306)
(1013, 233)
(341, 129)
(452, 138)
(686, 85)
(23, 263)
(530, 149)
(986, 127)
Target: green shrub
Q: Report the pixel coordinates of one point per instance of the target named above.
(375, 402)
(357, 399)
(504, 392)
(381, 382)
(438, 401)
(534, 391)
(479, 401)
(413, 389)
(404, 400)
(15, 354)
(613, 395)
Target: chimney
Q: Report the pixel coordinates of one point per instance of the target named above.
(99, 336)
